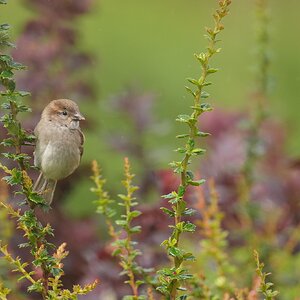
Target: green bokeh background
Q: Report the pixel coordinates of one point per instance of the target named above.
(150, 45)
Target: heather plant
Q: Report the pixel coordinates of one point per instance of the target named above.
(46, 260)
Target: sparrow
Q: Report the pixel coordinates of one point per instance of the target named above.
(59, 145)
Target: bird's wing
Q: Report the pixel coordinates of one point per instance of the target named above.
(81, 139)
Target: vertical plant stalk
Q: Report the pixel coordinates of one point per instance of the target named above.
(214, 239)
(260, 96)
(171, 278)
(258, 114)
(125, 248)
(104, 201)
(128, 258)
(265, 287)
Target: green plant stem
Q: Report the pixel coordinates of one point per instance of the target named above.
(128, 245)
(261, 90)
(192, 120)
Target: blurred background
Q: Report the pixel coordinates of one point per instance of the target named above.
(125, 63)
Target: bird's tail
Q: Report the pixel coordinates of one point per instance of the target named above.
(45, 187)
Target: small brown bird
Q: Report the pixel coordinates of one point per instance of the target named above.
(59, 145)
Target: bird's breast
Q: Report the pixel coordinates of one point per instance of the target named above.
(60, 156)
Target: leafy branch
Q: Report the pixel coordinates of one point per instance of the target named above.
(214, 240)
(172, 278)
(262, 82)
(125, 248)
(265, 287)
(34, 231)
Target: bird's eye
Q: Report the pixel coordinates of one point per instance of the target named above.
(64, 113)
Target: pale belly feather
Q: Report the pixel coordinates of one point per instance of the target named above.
(59, 159)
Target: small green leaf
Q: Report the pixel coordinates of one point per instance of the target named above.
(205, 107)
(189, 257)
(189, 227)
(198, 151)
(203, 134)
(121, 222)
(56, 271)
(168, 211)
(204, 95)
(4, 26)
(170, 195)
(193, 81)
(38, 285)
(6, 74)
(185, 276)
(201, 57)
(139, 282)
(197, 182)
(175, 252)
(134, 214)
(189, 212)
(181, 191)
(190, 91)
(206, 83)
(23, 93)
(212, 70)
(181, 136)
(116, 252)
(180, 150)
(135, 229)
(183, 118)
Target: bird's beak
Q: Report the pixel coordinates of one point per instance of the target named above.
(78, 117)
